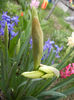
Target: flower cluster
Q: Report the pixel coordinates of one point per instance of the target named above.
(34, 3)
(48, 46)
(67, 71)
(10, 23)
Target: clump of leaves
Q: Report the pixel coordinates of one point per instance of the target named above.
(12, 64)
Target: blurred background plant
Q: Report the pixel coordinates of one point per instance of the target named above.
(18, 57)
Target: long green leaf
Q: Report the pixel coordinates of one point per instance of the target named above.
(2, 70)
(41, 86)
(23, 48)
(53, 93)
(69, 91)
(63, 83)
(59, 66)
(6, 36)
(12, 45)
(29, 98)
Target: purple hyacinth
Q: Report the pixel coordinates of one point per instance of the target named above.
(10, 23)
(48, 46)
(58, 49)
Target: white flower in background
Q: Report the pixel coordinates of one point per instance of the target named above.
(71, 40)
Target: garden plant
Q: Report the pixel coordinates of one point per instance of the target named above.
(31, 69)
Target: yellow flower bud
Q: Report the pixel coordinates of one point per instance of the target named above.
(46, 70)
(33, 74)
(37, 37)
(48, 76)
(49, 69)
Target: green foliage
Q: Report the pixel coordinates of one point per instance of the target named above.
(24, 4)
(6, 36)
(3, 4)
(13, 8)
(61, 37)
(16, 87)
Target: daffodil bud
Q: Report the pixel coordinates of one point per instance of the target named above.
(37, 37)
(49, 70)
(46, 70)
(33, 74)
(46, 76)
(6, 36)
(18, 47)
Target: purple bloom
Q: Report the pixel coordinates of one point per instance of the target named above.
(10, 23)
(48, 46)
(58, 49)
(52, 62)
(30, 43)
(1, 31)
(13, 34)
(5, 16)
(15, 19)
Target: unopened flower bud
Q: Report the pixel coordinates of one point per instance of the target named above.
(18, 47)
(49, 70)
(48, 76)
(33, 74)
(37, 37)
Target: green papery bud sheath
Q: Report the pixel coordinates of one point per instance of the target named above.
(33, 74)
(37, 37)
(6, 36)
(34, 13)
(49, 70)
(46, 70)
(18, 47)
(48, 76)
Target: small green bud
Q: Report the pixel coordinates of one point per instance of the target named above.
(6, 36)
(37, 37)
(18, 47)
(33, 74)
(49, 69)
(48, 76)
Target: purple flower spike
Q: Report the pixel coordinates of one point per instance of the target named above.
(10, 23)
(48, 46)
